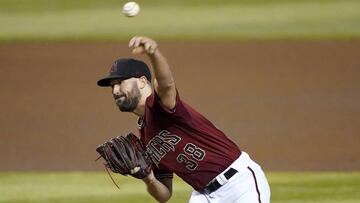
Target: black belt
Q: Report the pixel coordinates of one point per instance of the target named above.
(214, 184)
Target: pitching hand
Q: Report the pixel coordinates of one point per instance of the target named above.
(143, 45)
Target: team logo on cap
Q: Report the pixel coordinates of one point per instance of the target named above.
(113, 68)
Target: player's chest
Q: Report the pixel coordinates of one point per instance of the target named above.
(162, 144)
(172, 149)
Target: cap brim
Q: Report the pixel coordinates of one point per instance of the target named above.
(105, 82)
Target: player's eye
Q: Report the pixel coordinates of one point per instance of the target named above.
(115, 82)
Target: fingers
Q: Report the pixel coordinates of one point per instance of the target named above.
(152, 49)
(135, 170)
(136, 41)
(147, 46)
(138, 50)
(142, 45)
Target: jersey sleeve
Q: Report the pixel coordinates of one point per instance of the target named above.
(180, 112)
(161, 173)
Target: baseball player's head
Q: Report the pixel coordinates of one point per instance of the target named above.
(128, 79)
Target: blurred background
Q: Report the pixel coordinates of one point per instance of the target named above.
(279, 77)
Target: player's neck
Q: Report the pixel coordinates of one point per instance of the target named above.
(139, 111)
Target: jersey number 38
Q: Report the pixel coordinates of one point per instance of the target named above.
(192, 154)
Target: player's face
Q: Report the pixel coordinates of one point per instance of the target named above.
(126, 94)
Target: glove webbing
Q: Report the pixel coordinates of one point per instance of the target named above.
(108, 172)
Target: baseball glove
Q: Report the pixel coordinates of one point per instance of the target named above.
(126, 155)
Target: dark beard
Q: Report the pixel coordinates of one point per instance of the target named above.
(131, 102)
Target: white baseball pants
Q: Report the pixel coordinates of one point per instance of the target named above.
(249, 185)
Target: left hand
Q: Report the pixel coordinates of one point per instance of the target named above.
(126, 155)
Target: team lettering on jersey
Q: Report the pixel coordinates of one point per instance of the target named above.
(161, 144)
(165, 142)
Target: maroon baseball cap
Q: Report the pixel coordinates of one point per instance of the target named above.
(126, 68)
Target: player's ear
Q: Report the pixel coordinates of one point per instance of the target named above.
(142, 82)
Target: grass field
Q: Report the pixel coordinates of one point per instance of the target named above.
(96, 187)
(86, 20)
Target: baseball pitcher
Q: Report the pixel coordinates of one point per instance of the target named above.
(175, 138)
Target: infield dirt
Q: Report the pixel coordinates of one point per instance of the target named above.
(291, 105)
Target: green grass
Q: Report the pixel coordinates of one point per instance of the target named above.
(96, 187)
(80, 20)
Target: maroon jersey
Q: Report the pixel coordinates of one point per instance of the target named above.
(184, 142)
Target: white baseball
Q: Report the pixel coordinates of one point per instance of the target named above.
(131, 9)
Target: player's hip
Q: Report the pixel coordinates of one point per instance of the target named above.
(243, 180)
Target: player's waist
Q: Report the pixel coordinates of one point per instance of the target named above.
(238, 166)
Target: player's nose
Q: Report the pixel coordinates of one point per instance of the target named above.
(116, 89)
